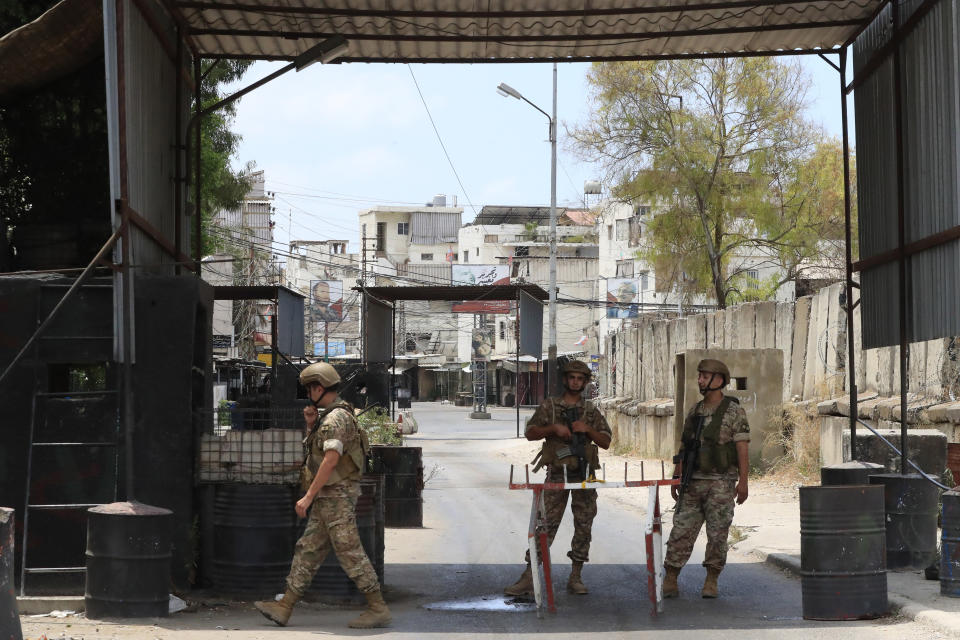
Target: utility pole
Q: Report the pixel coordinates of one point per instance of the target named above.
(552, 378)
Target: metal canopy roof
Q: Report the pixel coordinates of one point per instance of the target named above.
(455, 293)
(520, 30)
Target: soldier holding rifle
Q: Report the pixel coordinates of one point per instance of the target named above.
(572, 430)
(713, 464)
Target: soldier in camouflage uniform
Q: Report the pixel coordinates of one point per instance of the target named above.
(549, 423)
(335, 453)
(720, 479)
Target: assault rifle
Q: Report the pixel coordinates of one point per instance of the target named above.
(578, 442)
(689, 458)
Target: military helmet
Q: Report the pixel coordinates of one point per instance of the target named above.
(322, 372)
(577, 366)
(710, 365)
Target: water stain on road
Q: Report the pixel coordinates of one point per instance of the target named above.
(483, 603)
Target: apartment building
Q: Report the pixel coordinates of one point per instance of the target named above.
(415, 246)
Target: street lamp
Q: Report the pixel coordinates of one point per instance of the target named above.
(508, 91)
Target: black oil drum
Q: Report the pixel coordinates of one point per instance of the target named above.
(253, 537)
(842, 553)
(950, 545)
(912, 507)
(402, 471)
(330, 582)
(9, 618)
(853, 472)
(128, 561)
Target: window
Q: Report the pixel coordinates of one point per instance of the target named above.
(403, 228)
(466, 256)
(503, 330)
(641, 210)
(623, 229)
(625, 268)
(426, 257)
(521, 252)
(478, 251)
(381, 236)
(609, 232)
(753, 274)
(491, 239)
(644, 280)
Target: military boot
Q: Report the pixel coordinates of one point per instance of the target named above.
(670, 587)
(523, 586)
(710, 589)
(575, 583)
(278, 610)
(375, 615)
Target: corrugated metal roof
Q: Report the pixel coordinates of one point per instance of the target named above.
(519, 30)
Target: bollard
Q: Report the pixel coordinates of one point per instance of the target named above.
(9, 617)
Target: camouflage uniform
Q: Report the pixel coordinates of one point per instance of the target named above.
(584, 501)
(709, 497)
(332, 522)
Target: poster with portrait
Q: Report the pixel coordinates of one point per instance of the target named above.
(622, 296)
(482, 343)
(326, 300)
(480, 275)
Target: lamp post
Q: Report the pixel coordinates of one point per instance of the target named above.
(508, 91)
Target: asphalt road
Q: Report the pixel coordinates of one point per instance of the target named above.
(445, 580)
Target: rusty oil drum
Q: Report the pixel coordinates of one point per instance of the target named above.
(950, 545)
(843, 552)
(128, 561)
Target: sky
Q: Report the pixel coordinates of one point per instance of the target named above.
(334, 140)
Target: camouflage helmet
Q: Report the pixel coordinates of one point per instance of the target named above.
(321, 372)
(577, 366)
(710, 365)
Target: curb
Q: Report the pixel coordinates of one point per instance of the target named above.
(39, 605)
(899, 605)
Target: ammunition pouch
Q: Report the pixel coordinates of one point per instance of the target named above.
(556, 454)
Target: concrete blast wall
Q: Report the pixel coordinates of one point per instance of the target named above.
(811, 334)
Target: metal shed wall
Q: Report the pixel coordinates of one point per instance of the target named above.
(929, 87)
(149, 85)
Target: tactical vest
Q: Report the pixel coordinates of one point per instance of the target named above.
(713, 457)
(351, 463)
(555, 452)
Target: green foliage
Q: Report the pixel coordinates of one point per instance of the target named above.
(220, 187)
(722, 151)
(379, 428)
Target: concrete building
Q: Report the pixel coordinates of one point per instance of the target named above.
(519, 237)
(252, 222)
(407, 246)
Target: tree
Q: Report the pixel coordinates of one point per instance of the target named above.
(723, 151)
(221, 187)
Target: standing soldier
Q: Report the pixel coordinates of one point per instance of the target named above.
(717, 425)
(331, 479)
(572, 429)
